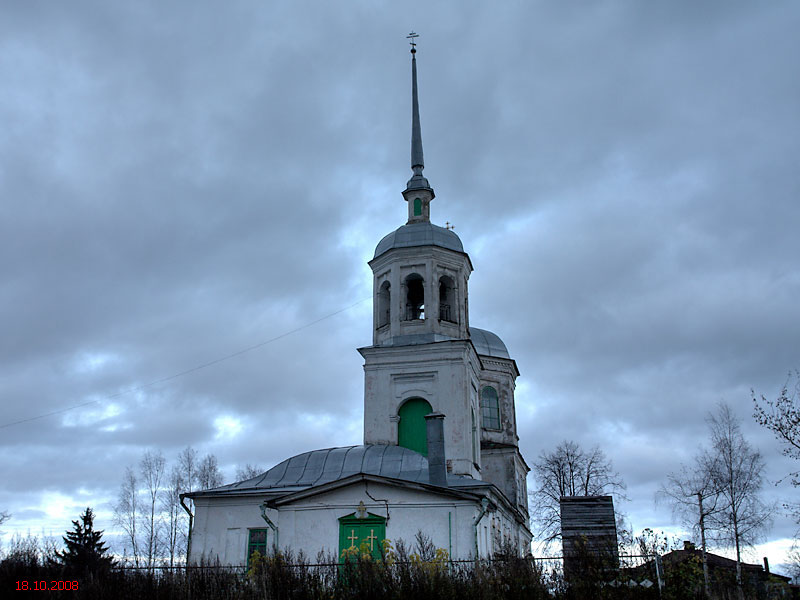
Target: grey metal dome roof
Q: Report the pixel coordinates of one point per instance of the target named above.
(419, 234)
(488, 343)
(331, 464)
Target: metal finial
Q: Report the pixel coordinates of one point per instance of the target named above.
(411, 36)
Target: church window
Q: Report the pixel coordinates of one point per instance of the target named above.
(415, 297)
(365, 534)
(417, 207)
(412, 430)
(384, 303)
(256, 542)
(447, 303)
(490, 408)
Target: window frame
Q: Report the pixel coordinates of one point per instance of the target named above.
(251, 546)
(496, 408)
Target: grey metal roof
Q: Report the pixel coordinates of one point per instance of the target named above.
(419, 234)
(331, 464)
(488, 343)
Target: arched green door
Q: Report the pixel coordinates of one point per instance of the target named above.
(412, 430)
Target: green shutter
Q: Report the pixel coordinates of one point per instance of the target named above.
(412, 431)
(417, 207)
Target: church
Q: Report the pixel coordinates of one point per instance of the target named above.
(440, 453)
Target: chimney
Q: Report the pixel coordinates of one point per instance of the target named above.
(687, 545)
(766, 565)
(437, 466)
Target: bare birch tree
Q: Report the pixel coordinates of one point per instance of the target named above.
(208, 473)
(188, 463)
(568, 471)
(782, 417)
(152, 467)
(693, 497)
(175, 517)
(126, 511)
(736, 472)
(248, 472)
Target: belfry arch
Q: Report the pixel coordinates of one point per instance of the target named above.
(415, 297)
(448, 304)
(384, 304)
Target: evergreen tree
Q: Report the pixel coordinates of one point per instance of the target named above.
(84, 549)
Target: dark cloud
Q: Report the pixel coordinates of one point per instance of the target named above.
(180, 183)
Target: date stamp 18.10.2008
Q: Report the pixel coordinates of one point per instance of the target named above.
(46, 586)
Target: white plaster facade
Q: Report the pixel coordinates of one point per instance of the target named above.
(443, 373)
(310, 523)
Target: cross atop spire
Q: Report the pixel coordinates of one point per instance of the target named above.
(412, 36)
(417, 181)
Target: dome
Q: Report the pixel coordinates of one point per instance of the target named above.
(419, 234)
(323, 466)
(331, 464)
(488, 343)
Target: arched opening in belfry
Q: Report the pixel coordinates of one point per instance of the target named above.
(384, 304)
(412, 432)
(448, 308)
(415, 297)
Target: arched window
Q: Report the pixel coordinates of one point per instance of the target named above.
(384, 304)
(415, 297)
(490, 408)
(412, 431)
(447, 300)
(417, 207)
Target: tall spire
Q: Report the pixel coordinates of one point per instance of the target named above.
(417, 181)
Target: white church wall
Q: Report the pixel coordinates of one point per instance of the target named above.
(445, 374)
(311, 524)
(221, 528)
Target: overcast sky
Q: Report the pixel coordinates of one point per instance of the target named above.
(180, 181)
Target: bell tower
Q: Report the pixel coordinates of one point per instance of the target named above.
(426, 359)
(421, 359)
(420, 271)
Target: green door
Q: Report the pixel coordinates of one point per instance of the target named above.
(412, 431)
(365, 534)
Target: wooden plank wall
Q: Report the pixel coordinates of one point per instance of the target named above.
(588, 527)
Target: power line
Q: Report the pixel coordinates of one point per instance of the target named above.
(182, 373)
